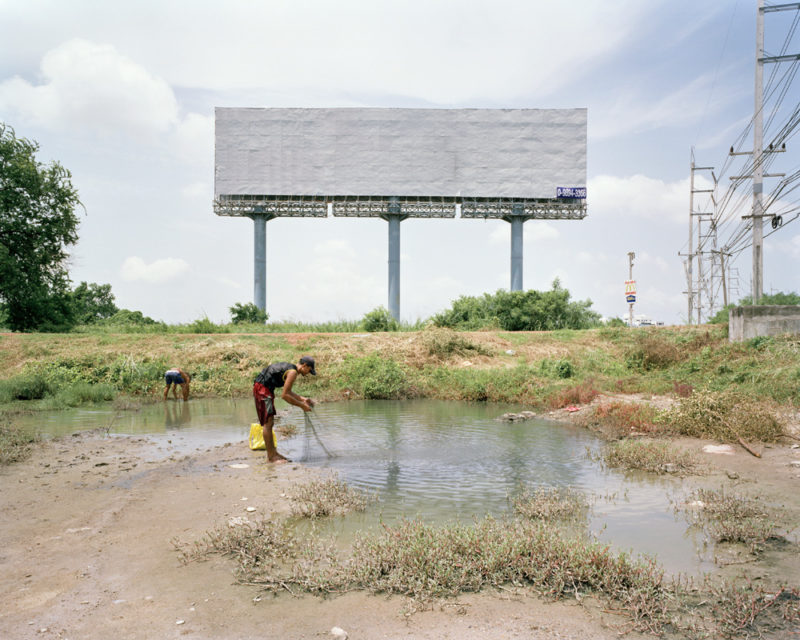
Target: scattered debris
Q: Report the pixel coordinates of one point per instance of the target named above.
(514, 417)
(337, 632)
(725, 449)
(239, 465)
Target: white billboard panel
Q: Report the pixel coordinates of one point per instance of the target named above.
(477, 153)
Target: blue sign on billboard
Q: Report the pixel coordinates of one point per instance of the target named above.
(571, 192)
(631, 298)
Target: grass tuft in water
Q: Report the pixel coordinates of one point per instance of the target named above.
(551, 503)
(326, 497)
(425, 562)
(655, 456)
(727, 517)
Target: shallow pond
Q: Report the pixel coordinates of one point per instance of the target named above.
(428, 459)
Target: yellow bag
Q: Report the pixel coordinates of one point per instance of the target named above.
(257, 437)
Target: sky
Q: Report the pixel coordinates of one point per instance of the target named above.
(122, 94)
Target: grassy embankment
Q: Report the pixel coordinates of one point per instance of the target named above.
(543, 370)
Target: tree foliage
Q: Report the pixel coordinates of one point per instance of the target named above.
(37, 224)
(519, 311)
(247, 313)
(92, 302)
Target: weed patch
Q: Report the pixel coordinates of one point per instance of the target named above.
(727, 517)
(582, 393)
(445, 343)
(648, 455)
(726, 416)
(622, 418)
(551, 503)
(15, 444)
(326, 497)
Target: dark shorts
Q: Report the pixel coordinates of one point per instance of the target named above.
(265, 402)
(173, 377)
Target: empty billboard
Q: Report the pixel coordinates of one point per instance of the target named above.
(416, 153)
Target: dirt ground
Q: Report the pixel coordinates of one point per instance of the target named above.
(86, 552)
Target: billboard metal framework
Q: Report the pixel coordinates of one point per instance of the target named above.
(508, 164)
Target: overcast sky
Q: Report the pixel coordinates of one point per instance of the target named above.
(123, 95)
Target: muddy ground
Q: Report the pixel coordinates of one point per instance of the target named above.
(86, 552)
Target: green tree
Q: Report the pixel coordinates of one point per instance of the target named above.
(92, 302)
(247, 313)
(37, 224)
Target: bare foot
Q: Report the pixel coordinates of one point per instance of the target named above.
(277, 458)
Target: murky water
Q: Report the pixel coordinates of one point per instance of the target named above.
(429, 459)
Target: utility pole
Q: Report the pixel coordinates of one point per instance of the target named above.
(758, 145)
(691, 291)
(758, 161)
(631, 299)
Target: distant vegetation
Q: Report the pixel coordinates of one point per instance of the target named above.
(721, 317)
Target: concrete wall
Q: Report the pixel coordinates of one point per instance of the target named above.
(766, 320)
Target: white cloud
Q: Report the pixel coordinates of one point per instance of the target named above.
(640, 197)
(93, 87)
(157, 272)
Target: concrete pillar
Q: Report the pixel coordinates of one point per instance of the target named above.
(260, 261)
(394, 265)
(516, 252)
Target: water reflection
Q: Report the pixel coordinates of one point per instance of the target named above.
(176, 414)
(433, 460)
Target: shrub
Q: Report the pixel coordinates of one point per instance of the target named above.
(374, 377)
(248, 313)
(379, 319)
(30, 386)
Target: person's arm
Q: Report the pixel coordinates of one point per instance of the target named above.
(290, 396)
(186, 379)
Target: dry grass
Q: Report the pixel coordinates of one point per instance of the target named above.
(725, 416)
(326, 497)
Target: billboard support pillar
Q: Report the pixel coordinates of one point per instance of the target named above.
(394, 218)
(516, 220)
(260, 261)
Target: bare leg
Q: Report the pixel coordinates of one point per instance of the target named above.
(272, 452)
(166, 390)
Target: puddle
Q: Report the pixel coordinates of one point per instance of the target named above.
(432, 460)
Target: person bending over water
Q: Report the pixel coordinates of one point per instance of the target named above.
(175, 377)
(279, 375)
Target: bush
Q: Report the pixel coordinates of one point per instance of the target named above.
(31, 386)
(374, 377)
(248, 313)
(519, 311)
(379, 319)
